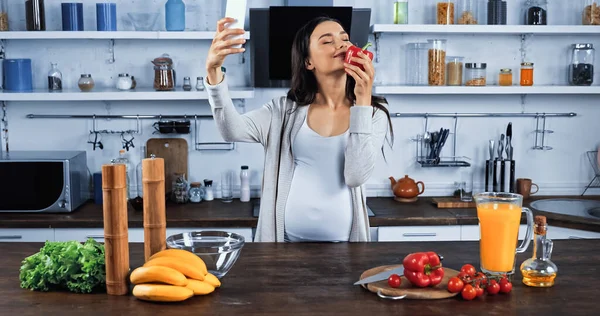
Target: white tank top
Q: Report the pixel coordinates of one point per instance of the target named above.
(319, 205)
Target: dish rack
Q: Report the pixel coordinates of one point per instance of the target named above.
(593, 158)
(423, 151)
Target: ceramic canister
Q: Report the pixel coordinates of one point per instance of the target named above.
(17, 74)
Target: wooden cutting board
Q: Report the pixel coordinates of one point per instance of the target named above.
(452, 202)
(175, 153)
(439, 291)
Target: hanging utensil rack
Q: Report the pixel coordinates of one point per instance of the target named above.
(460, 161)
(200, 146)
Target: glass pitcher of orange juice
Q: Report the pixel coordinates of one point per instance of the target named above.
(499, 220)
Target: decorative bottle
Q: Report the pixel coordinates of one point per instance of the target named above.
(539, 270)
(175, 15)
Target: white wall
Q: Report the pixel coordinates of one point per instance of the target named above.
(564, 170)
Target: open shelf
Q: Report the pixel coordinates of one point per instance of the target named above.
(116, 95)
(517, 90)
(486, 29)
(141, 35)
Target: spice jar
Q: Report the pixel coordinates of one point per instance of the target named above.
(86, 83)
(133, 82)
(208, 190)
(591, 12)
(581, 71)
(164, 75)
(187, 86)
(3, 15)
(179, 193)
(454, 70)
(475, 74)
(200, 84)
(196, 194)
(505, 78)
(468, 12)
(124, 82)
(401, 12)
(496, 12)
(527, 74)
(54, 78)
(536, 12)
(445, 12)
(437, 62)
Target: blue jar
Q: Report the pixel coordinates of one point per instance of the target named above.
(72, 16)
(17, 75)
(106, 16)
(175, 15)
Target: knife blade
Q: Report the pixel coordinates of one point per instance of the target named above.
(509, 149)
(381, 276)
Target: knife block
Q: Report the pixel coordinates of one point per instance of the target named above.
(500, 176)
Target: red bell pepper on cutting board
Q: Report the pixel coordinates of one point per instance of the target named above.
(353, 51)
(423, 269)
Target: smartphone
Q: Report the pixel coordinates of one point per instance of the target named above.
(236, 9)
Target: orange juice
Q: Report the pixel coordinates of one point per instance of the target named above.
(499, 226)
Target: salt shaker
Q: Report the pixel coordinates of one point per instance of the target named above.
(208, 190)
(200, 84)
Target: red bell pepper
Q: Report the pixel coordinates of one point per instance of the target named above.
(353, 51)
(423, 269)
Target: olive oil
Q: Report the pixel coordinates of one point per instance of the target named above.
(539, 270)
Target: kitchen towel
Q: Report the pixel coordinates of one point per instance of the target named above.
(17, 74)
(106, 16)
(72, 16)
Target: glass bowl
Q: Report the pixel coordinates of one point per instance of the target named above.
(218, 249)
(143, 21)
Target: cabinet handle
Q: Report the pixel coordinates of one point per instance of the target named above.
(11, 237)
(419, 234)
(95, 236)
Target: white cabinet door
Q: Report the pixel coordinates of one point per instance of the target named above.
(471, 232)
(26, 234)
(246, 232)
(419, 233)
(569, 233)
(82, 234)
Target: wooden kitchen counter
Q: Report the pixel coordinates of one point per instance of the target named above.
(316, 279)
(237, 214)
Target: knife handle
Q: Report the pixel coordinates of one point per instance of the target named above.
(502, 175)
(495, 177)
(487, 175)
(512, 177)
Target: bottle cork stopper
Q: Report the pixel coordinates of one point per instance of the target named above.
(540, 224)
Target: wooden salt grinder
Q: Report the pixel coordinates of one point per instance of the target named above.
(116, 242)
(155, 219)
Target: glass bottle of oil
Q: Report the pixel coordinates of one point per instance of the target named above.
(539, 270)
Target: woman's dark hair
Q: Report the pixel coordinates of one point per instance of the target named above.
(304, 85)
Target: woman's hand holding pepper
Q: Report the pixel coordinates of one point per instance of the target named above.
(364, 78)
(220, 48)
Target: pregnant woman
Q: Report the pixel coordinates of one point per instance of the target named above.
(321, 141)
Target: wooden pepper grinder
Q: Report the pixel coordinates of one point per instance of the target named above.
(155, 219)
(116, 243)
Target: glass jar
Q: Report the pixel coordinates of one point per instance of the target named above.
(3, 15)
(196, 193)
(445, 11)
(475, 74)
(417, 64)
(179, 189)
(133, 82)
(187, 85)
(496, 12)
(35, 15)
(591, 12)
(436, 58)
(468, 12)
(200, 84)
(581, 71)
(527, 74)
(124, 82)
(454, 70)
(505, 78)
(401, 12)
(536, 12)
(54, 78)
(164, 74)
(86, 83)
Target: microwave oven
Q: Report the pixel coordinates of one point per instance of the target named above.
(43, 181)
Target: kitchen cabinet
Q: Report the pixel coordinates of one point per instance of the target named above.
(471, 232)
(569, 233)
(420, 233)
(26, 234)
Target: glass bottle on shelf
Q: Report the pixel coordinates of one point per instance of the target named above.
(539, 270)
(444, 11)
(54, 78)
(527, 74)
(179, 189)
(468, 12)
(35, 15)
(175, 15)
(591, 12)
(196, 193)
(536, 12)
(3, 15)
(401, 12)
(581, 70)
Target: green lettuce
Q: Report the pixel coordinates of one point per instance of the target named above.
(66, 265)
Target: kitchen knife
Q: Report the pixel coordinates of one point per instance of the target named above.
(381, 276)
(509, 149)
(489, 167)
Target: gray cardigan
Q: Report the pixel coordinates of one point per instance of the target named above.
(275, 126)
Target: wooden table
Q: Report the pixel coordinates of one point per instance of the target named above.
(316, 279)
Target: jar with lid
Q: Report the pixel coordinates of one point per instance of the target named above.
(35, 15)
(496, 12)
(468, 12)
(591, 12)
(196, 193)
(3, 15)
(200, 84)
(401, 12)
(505, 78)
(179, 189)
(527, 74)
(54, 78)
(164, 74)
(437, 62)
(475, 74)
(536, 12)
(444, 11)
(133, 82)
(581, 71)
(124, 82)
(187, 85)
(208, 190)
(454, 70)
(86, 83)
(416, 64)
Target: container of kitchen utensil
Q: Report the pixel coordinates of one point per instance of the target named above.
(155, 220)
(436, 58)
(444, 12)
(17, 75)
(475, 74)
(581, 70)
(417, 64)
(164, 74)
(106, 16)
(72, 16)
(536, 12)
(454, 70)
